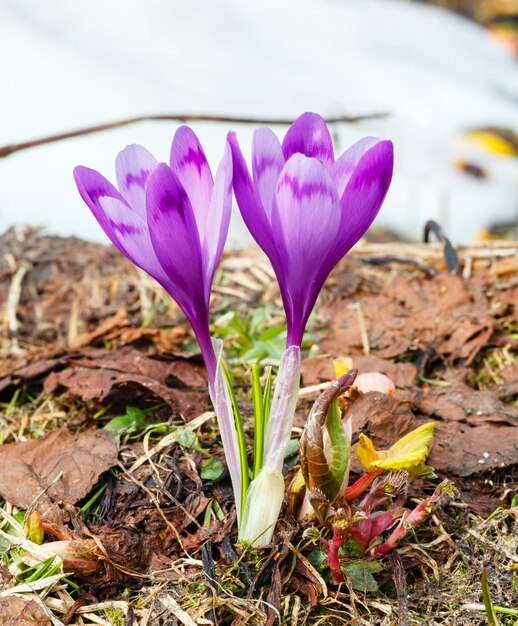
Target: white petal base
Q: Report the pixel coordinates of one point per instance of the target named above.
(263, 505)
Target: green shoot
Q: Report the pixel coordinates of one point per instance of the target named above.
(14, 401)
(492, 619)
(44, 570)
(341, 445)
(213, 511)
(259, 421)
(86, 507)
(150, 315)
(267, 397)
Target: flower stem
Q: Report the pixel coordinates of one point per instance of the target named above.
(333, 557)
(204, 340)
(360, 486)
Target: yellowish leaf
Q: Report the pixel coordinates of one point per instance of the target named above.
(409, 451)
(366, 452)
(342, 365)
(491, 142)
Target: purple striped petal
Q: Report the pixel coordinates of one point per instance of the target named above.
(267, 163)
(133, 167)
(126, 229)
(249, 201)
(189, 163)
(364, 195)
(92, 186)
(175, 239)
(306, 214)
(132, 234)
(344, 167)
(309, 135)
(218, 218)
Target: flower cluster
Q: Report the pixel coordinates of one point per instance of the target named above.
(321, 489)
(304, 208)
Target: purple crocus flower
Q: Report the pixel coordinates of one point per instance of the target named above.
(170, 220)
(306, 210)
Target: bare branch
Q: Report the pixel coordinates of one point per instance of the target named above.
(5, 151)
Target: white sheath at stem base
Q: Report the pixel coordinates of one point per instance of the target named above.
(284, 403)
(266, 492)
(222, 404)
(262, 507)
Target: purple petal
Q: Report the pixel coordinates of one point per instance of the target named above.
(189, 163)
(309, 135)
(218, 218)
(175, 239)
(126, 229)
(267, 163)
(249, 201)
(133, 167)
(306, 213)
(92, 186)
(345, 165)
(132, 234)
(364, 195)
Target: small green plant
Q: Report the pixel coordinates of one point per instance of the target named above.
(253, 338)
(134, 423)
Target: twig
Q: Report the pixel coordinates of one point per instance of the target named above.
(450, 255)
(508, 555)
(399, 578)
(6, 151)
(13, 297)
(209, 570)
(172, 605)
(363, 329)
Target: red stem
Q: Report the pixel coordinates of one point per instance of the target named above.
(356, 489)
(333, 557)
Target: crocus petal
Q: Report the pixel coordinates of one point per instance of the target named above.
(364, 195)
(344, 167)
(126, 229)
(249, 202)
(218, 218)
(93, 187)
(175, 239)
(309, 135)
(133, 167)
(267, 163)
(189, 163)
(306, 216)
(132, 235)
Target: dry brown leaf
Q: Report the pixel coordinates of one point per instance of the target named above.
(59, 467)
(444, 313)
(16, 611)
(95, 375)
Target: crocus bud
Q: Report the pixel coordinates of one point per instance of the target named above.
(262, 507)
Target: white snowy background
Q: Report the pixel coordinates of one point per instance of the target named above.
(65, 64)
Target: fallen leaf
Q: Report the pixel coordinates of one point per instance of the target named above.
(117, 321)
(443, 313)
(16, 611)
(58, 467)
(98, 374)
(409, 451)
(476, 431)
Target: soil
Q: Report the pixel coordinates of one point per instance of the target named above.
(85, 335)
